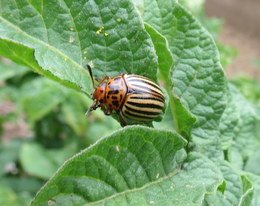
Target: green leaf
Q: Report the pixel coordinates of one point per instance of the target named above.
(40, 96)
(8, 156)
(248, 191)
(22, 184)
(238, 189)
(165, 61)
(9, 198)
(252, 164)
(256, 184)
(58, 39)
(136, 165)
(9, 70)
(198, 78)
(238, 128)
(43, 163)
(74, 107)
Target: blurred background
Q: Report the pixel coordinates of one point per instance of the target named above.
(42, 123)
(241, 30)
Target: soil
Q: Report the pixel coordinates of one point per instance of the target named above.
(242, 31)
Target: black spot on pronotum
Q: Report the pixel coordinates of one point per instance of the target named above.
(114, 97)
(113, 92)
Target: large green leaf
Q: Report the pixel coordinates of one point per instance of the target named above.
(184, 120)
(136, 165)
(198, 78)
(58, 39)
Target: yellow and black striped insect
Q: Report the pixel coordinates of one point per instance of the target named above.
(134, 98)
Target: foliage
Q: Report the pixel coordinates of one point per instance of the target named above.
(203, 151)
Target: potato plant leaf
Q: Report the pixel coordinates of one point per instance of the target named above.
(243, 127)
(238, 188)
(256, 184)
(134, 165)
(184, 119)
(58, 39)
(42, 99)
(198, 78)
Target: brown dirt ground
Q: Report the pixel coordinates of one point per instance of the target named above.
(241, 30)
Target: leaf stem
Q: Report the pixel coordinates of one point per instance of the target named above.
(167, 85)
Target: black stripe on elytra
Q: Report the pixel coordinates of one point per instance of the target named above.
(141, 111)
(136, 91)
(146, 82)
(129, 115)
(149, 98)
(147, 105)
(147, 88)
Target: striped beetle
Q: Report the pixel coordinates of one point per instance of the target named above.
(134, 98)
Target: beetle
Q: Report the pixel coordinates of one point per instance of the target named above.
(134, 98)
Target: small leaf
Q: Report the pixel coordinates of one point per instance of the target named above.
(9, 70)
(40, 96)
(165, 59)
(74, 108)
(8, 198)
(8, 156)
(238, 127)
(248, 191)
(255, 179)
(238, 189)
(34, 158)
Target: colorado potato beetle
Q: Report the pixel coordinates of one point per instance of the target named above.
(134, 98)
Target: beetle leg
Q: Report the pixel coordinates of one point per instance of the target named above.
(94, 106)
(108, 111)
(121, 120)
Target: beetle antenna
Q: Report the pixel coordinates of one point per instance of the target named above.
(90, 73)
(88, 112)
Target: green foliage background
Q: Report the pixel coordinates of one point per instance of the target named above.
(204, 151)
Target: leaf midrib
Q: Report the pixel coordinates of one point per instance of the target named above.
(171, 174)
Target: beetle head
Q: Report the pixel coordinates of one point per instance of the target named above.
(99, 93)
